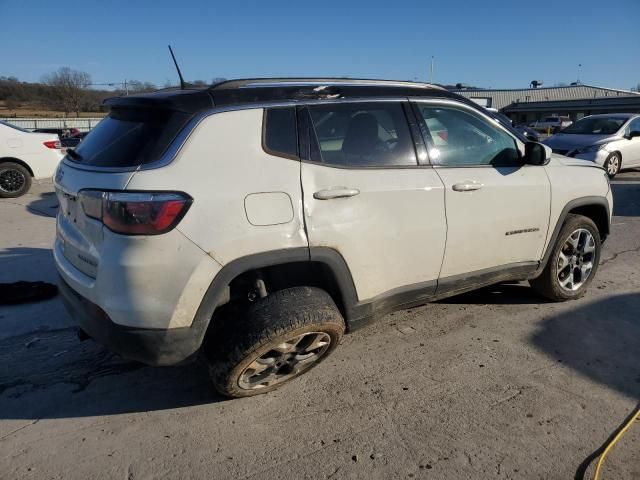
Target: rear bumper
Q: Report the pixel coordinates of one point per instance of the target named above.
(150, 346)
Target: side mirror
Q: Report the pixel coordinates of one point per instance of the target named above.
(536, 154)
(633, 133)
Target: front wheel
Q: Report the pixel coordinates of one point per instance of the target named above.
(573, 262)
(612, 165)
(278, 338)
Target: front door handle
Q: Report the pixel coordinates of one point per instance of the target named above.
(467, 186)
(335, 192)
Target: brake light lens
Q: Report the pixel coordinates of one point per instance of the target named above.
(53, 144)
(135, 213)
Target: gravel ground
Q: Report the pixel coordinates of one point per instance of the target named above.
(492, 384)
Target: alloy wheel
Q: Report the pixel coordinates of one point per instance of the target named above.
(11, 181)
(613, 165)
(285, 360)
(575, 259)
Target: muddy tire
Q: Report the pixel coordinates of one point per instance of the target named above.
(573, 262)
(15, 180)
(276, 339)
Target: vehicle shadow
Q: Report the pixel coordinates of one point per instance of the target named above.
(52, 374)
(598, 340)
(626, 199)
(47, 372)
(45, 204)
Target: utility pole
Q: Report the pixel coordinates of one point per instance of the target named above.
(579, 67)
(431, 70)
(126, 87)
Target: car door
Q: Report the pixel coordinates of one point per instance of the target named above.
(366, 197)
(631, 147)
(497, 209)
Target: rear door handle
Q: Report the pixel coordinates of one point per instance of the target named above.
(467, 186)
(336, 192)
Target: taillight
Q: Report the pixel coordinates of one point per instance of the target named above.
(52, 144)
(135, 213)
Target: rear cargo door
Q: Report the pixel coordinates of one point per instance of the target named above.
(105, 160)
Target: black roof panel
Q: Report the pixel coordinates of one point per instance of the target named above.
(260, 90)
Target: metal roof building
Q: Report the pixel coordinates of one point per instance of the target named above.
(499, 99)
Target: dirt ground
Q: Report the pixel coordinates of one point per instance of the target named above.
(30, 111)
(492, 384)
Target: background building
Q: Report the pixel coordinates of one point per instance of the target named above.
(576, 101)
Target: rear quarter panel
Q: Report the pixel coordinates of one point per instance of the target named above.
(220, 165)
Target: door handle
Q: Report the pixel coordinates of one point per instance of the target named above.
(335, 192)
(467, 186)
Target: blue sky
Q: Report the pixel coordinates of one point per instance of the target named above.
(499, 44)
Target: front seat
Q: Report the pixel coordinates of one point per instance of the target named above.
(362, 138)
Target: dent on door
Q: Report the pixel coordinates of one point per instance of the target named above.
(391, 233)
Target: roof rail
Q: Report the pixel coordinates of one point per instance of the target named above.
(313, 81)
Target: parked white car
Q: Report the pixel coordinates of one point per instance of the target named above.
(257, 220)
(611, 140)
(553, 124)
(25, 155)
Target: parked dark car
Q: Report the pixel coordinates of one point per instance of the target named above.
(530, 133)
(61, 132)
(72, 141)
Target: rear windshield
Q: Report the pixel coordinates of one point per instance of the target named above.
(129, 138)
(14, 127)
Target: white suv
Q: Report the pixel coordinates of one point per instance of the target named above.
(256, 220)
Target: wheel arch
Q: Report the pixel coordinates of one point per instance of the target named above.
(18, 161)
(321, 267)
(595, 208)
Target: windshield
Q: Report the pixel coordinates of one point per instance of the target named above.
(596, 126)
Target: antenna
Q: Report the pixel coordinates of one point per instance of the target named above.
(177, 68)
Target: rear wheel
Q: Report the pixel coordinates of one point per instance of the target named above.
(278, 338)
(573, 262)
(15, 180)
(612, 164)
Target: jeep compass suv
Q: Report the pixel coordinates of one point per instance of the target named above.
(255, 221)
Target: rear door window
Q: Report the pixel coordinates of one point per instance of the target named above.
(363, 134)
(129, 138)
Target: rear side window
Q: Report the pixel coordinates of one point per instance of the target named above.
(367, 134)
(279, 132)
(129, 138)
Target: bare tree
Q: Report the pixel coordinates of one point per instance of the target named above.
(136, 86)
(69, 89)
(12, 103)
